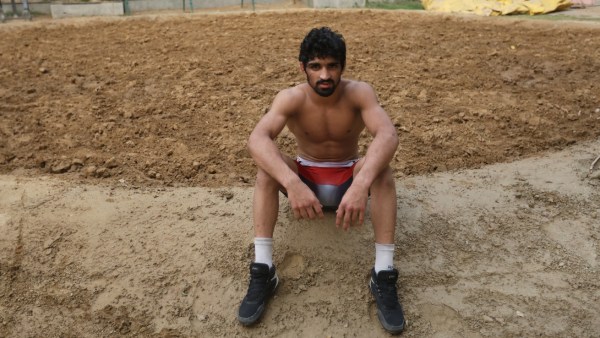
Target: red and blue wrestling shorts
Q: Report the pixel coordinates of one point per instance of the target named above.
(328, 180)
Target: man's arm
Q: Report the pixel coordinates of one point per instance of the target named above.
(378, 157)
(261, 142)
(267, 156)
(385, 138)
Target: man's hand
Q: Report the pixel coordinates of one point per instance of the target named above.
(303, 201)
(351, 210)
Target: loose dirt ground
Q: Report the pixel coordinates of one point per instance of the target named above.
(126, 189)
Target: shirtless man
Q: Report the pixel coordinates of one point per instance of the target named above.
(326, 115)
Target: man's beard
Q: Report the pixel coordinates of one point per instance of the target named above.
(327, 91)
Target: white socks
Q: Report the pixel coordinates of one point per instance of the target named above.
(384, 254)
(263, 250)
(384, 257)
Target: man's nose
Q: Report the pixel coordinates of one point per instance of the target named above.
(324, 74)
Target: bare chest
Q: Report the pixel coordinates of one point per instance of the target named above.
(319, 124)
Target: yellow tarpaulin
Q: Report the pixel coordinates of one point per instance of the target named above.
(496, 7)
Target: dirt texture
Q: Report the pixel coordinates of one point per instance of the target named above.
(172, 100)
(125, 194)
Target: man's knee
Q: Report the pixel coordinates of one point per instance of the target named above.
(385, 179)
(264, 180)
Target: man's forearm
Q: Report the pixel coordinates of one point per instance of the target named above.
(378, 157)
(267, 156)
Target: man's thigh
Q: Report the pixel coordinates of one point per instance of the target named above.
(290, 162)
(358, 166)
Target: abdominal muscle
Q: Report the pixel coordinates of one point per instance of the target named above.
(327, 135)
(328, 151)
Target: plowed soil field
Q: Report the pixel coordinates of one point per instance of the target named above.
(126, 184)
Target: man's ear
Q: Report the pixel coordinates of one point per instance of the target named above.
(302, 68)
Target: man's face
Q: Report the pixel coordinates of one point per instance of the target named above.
(323, 75)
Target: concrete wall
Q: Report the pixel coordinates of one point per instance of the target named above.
(38, 7)
(70, 9)
(151, 5)
(586, 3)
(137, 6)
(336, 3)
(86, 9)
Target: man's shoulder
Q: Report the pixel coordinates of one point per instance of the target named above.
(358, 92)
(289, 100)
(294, 93)
(357, 85)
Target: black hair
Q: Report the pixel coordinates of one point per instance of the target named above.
(323, 42)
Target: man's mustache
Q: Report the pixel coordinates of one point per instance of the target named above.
(324, 81)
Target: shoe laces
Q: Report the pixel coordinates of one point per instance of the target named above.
(258, 284)
(388, 293)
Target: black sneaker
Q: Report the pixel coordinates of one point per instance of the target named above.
(263, 282)
(389, 311)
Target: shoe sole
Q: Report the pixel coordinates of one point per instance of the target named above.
(389, 328)
(252, 319)
(247, 321)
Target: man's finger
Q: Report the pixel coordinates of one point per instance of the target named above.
(296, 213)
(310, 212)
(355, 215)
(303, 213)
(316, 208)
(339, 217)
(347, 219)
(361, 218)
(319, 210)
